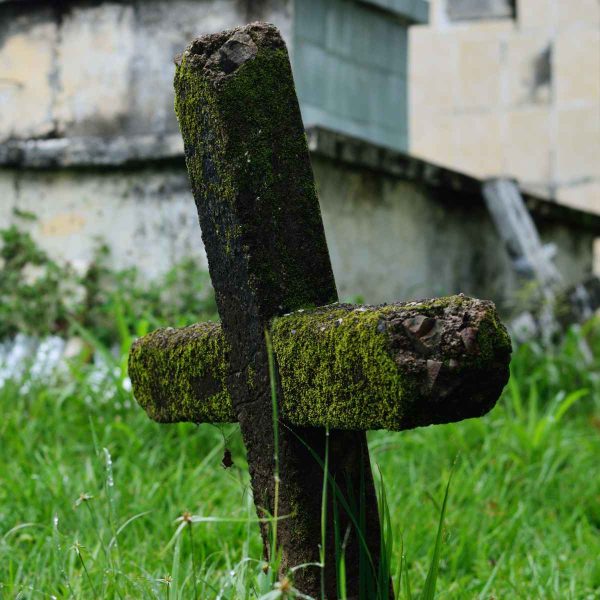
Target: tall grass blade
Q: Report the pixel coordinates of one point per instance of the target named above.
(273, 383)
(430, 583)
(323, 549)
(568, 401)
(386, 544)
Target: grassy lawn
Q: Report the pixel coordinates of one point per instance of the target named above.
(523, 516)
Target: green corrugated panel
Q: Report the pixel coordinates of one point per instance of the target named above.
(350, 65)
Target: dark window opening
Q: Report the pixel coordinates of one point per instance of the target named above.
(464, 10)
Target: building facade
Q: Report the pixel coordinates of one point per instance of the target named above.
(505, 87)
(90, 145)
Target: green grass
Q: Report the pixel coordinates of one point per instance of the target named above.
(522, 518)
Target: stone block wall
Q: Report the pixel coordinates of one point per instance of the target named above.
(518, 95)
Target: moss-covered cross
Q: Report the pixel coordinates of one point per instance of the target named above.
(340, 369)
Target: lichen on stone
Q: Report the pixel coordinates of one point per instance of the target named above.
(335, 367)
(225, 124)
(347, 367)
(179, 374)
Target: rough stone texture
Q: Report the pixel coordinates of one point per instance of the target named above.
(251, 177)
(347, 367)
(180, 374)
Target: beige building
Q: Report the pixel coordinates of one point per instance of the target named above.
(500, 87)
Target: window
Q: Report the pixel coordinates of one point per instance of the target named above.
(462, 10)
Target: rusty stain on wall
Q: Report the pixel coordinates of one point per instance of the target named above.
(63, 224)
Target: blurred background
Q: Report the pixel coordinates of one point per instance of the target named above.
(409, 105)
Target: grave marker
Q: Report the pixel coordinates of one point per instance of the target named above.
(341, 367)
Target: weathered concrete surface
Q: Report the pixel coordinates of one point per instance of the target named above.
(396, 228)
(90, 151)
(420, 363)
(393, 238)
(146, 216)
(72, 68)
(76, 66)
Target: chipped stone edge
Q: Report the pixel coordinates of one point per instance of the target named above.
(90, 151)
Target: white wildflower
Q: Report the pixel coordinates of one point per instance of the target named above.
(32, 273)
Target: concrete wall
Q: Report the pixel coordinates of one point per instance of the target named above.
(146, 216)
(71, 69)
(390, 238)
(89, 143)
(77, 68)
(518, 97)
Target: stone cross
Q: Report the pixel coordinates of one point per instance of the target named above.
(340, 369)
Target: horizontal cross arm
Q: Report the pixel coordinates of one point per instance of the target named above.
(392, 367)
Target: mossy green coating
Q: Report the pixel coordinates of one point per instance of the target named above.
(252, 181)
(179, 375)
(336, 368)
(249, 160)
(350, 368)
(340, 366)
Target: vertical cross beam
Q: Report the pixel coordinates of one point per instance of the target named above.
(252, 181)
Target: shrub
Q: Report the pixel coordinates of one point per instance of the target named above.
(39, 296)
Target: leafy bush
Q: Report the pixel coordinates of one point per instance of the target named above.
(39, 296)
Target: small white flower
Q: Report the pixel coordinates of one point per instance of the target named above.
(74, 347)
(73, 295)
(80, 266)
(31, 273)
(126, 384)
(83, 497)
